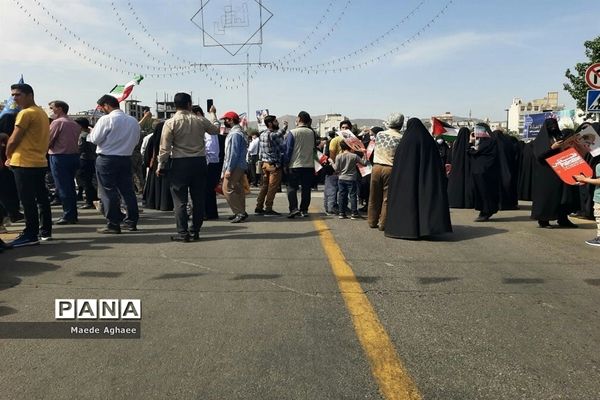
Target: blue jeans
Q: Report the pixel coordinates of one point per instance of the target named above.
(63, 168)
(114, 179)
(345, 189)
(330, 194)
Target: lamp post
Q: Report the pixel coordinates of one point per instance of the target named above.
(507, 130)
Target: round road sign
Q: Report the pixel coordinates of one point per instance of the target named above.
(592, 76)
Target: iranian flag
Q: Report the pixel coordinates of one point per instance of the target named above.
(121, 92)
(443, 129)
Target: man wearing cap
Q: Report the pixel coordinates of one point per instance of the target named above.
(183, 154)
(300, 145)
(271, 154)
(234, 167)
(386, 143)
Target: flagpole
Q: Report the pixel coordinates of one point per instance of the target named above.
(248, 89)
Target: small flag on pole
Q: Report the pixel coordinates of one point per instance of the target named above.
(10, 107)
(443, 129)
(121, 92)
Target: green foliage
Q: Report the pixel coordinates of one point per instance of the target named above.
(577, 87)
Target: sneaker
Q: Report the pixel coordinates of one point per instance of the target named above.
(23, 240)
(259, 211)
(62, 221)
(294, 214)
(567, 224)
(238, 218)
(180, 238)
(244, 216)
(304, 214)
(194, 236)
(19, 216)
(129, 226)
(355, 216)
(109, 230)
(232, 217)
(343, 216)
(44, 237)
(272, 213)
(594, 242)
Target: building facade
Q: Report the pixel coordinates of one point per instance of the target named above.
(519, 109)
(330, 122)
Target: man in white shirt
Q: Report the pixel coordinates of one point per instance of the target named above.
(115, 135)
(253, 147)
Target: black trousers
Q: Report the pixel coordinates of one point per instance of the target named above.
(188, 176)
(9, 199)
(212, 179)
(300, 177)
(31, 186)
(87, 171)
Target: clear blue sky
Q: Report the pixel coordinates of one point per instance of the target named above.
(477, 56)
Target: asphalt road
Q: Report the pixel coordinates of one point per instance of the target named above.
(497, 310)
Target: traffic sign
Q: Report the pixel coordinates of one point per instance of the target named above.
(592, 103)
(592, 76)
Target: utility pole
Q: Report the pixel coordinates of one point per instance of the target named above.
(248, 88)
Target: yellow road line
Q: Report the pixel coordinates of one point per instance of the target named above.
(392, 378)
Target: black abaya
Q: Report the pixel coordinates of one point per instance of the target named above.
(157, 189)
(460, 188)
(485, 172)
(525, 171)
(509, 170)
(417, 196)
(552, 199)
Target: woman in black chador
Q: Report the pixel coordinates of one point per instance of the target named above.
(417, 196)
(157, 190)
(552, 199)
(525, 171)
(485, 172)
(460, 188)
(508, 156)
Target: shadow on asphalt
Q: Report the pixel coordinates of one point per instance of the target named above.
(512, 219)
(466, 232)
(5, 310)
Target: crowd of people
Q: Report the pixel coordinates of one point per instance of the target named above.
(181, 163)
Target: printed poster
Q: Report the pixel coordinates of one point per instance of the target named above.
(567, 164)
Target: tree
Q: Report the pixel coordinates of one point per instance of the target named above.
(577, 87)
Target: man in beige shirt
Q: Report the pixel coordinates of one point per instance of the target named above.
(182, 156)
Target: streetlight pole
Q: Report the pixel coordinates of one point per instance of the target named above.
(507, 129)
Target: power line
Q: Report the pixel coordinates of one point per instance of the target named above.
(321, 68)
